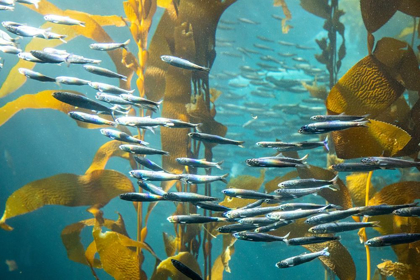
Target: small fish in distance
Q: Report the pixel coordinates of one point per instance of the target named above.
(341, 226)
(140, 197)
(390, 162)
(199, 163)
(63, 20)
(88, 118)
(297, 260)
(109, 46)
(214, 139)
(325, 127)
(104, 72)
(121, 136)
(32, 2)
(185, 270)
(35, 75)
(393, 239)
(183, 63)
(49, 57)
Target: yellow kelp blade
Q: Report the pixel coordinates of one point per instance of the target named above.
(164, 3)
(245, 182)
(171, 244)
(105, 152)
(339, 197)
(376, 13)
(166, 269)
(118, 260)
(396, 269)
(221, 264)
(96, 188)
(410, 7)
(367, 88)
(356, 183)
(378, 138)
(41, 100)
(71, 239)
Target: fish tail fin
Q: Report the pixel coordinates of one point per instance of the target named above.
(114, 124)
(241, 144)
(223, 178)
(363, 123)
(218, 164)
(151, 129)
(285, 241)
(166, 153)
(62, 37)
(324, 209)
(331, 188)
(97, 61)
(325, 252)
(334, 180)
(326, 143)
(375, 224)
(125, 44)
(36, 4)
(82, 24)
(124, 78)
(304, 157)
(286, 236)
(198, 127)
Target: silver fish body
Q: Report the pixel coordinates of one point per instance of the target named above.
(71, 81)
(104, 72)
(187, 197)
(247, 194)
(141, 197)
(307, 183)
(88, 118)
(121, 136)
(393, 239)
(325, 127)
(199, 163)
(295, 214)
(183, 63)
(35, 75)
(109, 88)
(258, 237)
(273, 226)
(63, 20)
(154, 176)
(142, 150)
(332, 216)
(340, 227)
(142, 122)
(109, 46)
(251, 212)
(193, 219)
(148, 163)
(297, 260)
(151, 188)
(407, 212)
(202, 179)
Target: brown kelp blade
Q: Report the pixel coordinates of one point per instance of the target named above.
(356, 183)
(221, 263)
(376, 13)
(96, 188)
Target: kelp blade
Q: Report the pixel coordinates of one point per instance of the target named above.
(96, 188)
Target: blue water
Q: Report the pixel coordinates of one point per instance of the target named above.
(42, 143)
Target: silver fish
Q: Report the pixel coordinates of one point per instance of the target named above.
(83, 117)
(154, 176)
(193, 219)
(307, 183)
(151, 188)
(142, 121)
(332, 216)
(340, 227)
(104, 72)
(121, 136)
(32, 2)
(202, 179)
(141, 197)
(183, 63)
(109, 46)
(35, 75)
(142, 150)
(187, 197)
(71, 81)
(297, 260)
(325, 127)
(102, 87)
(63, 20)
(295, 214)
(199, 163)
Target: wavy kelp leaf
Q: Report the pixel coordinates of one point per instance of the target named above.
(118, 260)
(410, 7)
(319, 8)
(96, 188)
(395, 269)
(245, 182)
(339, 197)
(356, 183)
(71, 239)
(105, 152)
(339, 261)
(221, 263)
(171, 244)
(397, 114)
(400, 61)
(166, 269)
(272, 185)
(109, 20)
(42, 100)
(367, 88)
(379, 138)
(376, 13)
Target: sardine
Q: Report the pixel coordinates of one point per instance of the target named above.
(245, 20)
(81, 101)
(32, 2)
(383, 209)
(199, 163)
(202, 179)
(295, 214)
(341, 226)
(307, 183)
(332, 216)
(407, 212)
(148, 163)
(185, 270)
(235, 228)
(214, 139)
(252, 212)
(294, 206)
(121, 136)
(151, 188)
(63, 20)
(393, 239)
(104, 72)
(354, 167)
(112, 99)
(340, 117)
(298, 146)
(325, 127)
(78, 59)
(259, 237)
(141, 197)
(193, 219)
(273, 226)
(49, 57)
(109, 88)
(83, 117)
(142, 121)
(10, 49)
(142, 150)
(256, 221)
(71, 81)
(35, 75)
(187, 197)
(183, 63)
(299, 241)
(211, 206)
(247, 194)
(271, 162)
(154, 176)
(109, 46)
(297, 260)
(140, 100)
(390, 162)
(295, 193)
